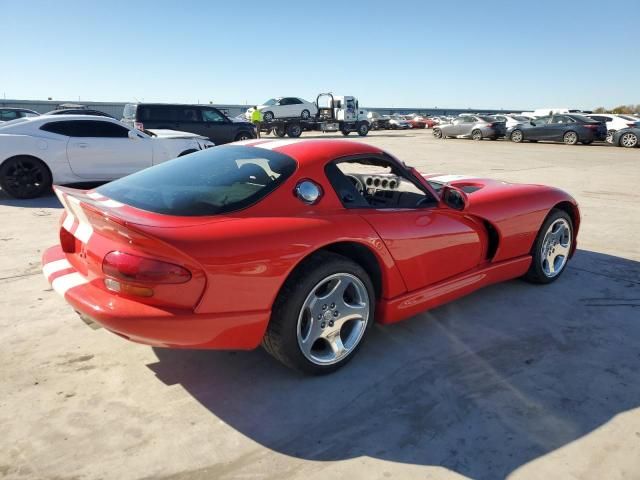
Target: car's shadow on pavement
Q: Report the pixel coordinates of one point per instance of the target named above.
(480, 386)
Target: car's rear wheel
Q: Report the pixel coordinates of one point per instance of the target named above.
(267, 116)
(437, 133)
(322, 314)
(570, 138)
(305, 114)
(629, 140)
(243, 136)
(476, 135)
(610, 136)
(25, 177)
(552, 248)
(517, 136)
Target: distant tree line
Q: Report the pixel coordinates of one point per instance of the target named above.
(620, 109)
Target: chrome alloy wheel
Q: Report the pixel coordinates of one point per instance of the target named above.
(555, 248)
(516, 136)
(333, 319)
(570, 138)
(629, 140)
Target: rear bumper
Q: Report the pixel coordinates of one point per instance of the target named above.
(147, 324)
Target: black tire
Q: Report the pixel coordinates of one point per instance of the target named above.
(281, 339)
(25, 177)
(363, 129)
(279, 132)
(345, 132)
(187, 152)
(476, 135)
(536, 273)
(516, 136)
(267, 116)
(243, 136)
(570, 138)
(294, 130)
(305, 114)
(438, 133)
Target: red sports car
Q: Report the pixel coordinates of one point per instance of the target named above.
(298, 245)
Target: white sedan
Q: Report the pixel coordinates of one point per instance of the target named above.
(39, 151)
(285, 107)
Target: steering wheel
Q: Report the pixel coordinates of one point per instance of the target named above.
(356, 183)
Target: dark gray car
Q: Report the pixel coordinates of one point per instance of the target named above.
(476, 127)
(200, 119)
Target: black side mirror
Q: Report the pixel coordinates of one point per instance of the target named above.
(454, 198)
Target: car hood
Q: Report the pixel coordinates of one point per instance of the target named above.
(165, 133)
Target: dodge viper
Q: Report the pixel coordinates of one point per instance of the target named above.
(298, 245)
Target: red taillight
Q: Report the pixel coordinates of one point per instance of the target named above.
(593, 127)
(132, 268)
(138, 125)
(633, 124)
(67, 241)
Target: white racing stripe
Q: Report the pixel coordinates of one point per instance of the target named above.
(277, 144)
(449, 178)
(66, 282)
(84, 230)
(53, 267)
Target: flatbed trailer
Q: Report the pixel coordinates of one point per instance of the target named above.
(324, 121)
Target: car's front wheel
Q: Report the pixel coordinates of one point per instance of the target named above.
(552, 248)
(437, 133)
(570, 138)
(267, 116)
(321, 315)
(363, 129)
(25, 177)
(629, 140)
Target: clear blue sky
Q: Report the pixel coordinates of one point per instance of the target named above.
(394, 53)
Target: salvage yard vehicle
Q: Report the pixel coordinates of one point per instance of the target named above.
(335, 114)
(476, 127)
(627, 137)
(36, 152)
(614, 122)
(511, 120)
(568, 128)
(202, 120)
(377, 121)
(398, 122)
(7, 114)
(285, 107)
(298, 245)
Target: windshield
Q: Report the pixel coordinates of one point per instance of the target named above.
(271, 101)
(210, 182)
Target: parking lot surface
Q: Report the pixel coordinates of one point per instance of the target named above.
(516, 380)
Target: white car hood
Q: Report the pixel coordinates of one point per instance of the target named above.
(165, 133)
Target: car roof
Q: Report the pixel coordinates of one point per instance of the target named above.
(18, 109)
(314, 151)
(58, 118)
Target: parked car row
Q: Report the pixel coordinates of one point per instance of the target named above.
(568, 128)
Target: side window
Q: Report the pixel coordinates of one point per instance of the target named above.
(86, 128)
(189, 114)
(375, 183)
(295, 101)
(560, 119)
(7, 115)
(211, 115)
(157, 114)
(283, 101)
(542, 120)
